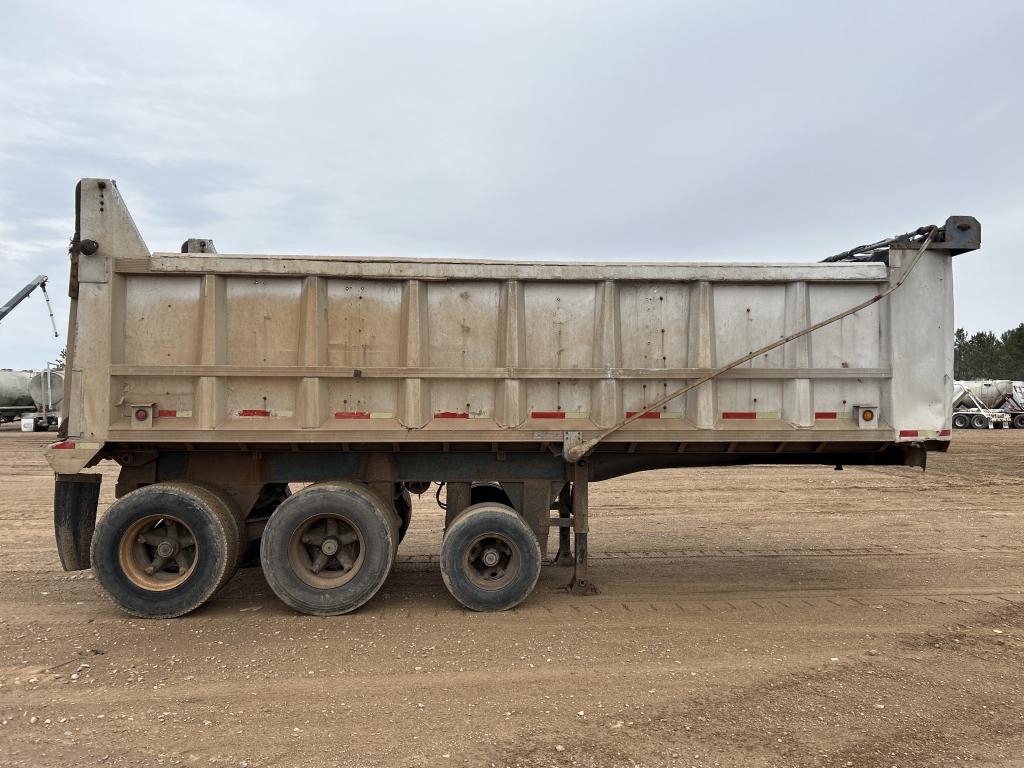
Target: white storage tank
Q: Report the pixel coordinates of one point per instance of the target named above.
(14, 389)
(47, 389)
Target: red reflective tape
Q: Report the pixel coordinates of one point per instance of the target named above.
(64, 445)
(451, 415)
(254, 412)
(166, 413)
(945, 432)
(645, 415)
(826, 415)
(739, 414)
(908, 433)
(547, 415)
(351, 415)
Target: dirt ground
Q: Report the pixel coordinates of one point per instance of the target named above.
(763, 616)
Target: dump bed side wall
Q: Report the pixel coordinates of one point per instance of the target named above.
(315, 353)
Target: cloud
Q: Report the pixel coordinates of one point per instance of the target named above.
(587, 130)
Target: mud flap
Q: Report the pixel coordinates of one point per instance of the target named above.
(75, 498)
(916, 456)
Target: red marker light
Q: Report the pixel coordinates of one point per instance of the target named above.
(141, 414)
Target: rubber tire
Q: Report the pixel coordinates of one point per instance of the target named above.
(961, 421)
(212, 525)
(1018, 421)
(231, 507)
(979, 422)
(478, 520)
(403, 508)
(364, 510)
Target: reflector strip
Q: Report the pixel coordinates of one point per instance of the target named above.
(547, 415)
(451, 415)
(826, 415)
(739, 414)
(908, 433)
(64, 445)
(253, 412)
(647, 415)
(351, 415)
(170, 414)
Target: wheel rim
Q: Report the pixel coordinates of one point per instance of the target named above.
(491, 561)
(326, 551)
(158, 552)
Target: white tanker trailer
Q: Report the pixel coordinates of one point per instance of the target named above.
(15, 398)
(32, 398)
(47, 390)
(985, 404)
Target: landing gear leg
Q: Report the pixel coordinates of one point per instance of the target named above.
(564, 554)
(581, 583)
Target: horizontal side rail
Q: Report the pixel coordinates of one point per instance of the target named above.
(399, 372)
(650, 431)
(420, 269)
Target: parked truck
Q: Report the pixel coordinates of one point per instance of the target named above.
(297, 401)
(987, 404)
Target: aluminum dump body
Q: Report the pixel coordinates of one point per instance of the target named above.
(207, 348)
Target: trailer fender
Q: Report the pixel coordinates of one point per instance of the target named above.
(75, 498)
(70, 456)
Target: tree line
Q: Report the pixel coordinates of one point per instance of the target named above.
(984, 355)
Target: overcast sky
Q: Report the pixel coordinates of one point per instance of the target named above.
(587, 130)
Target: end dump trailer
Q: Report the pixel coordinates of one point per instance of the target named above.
(220, 383)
